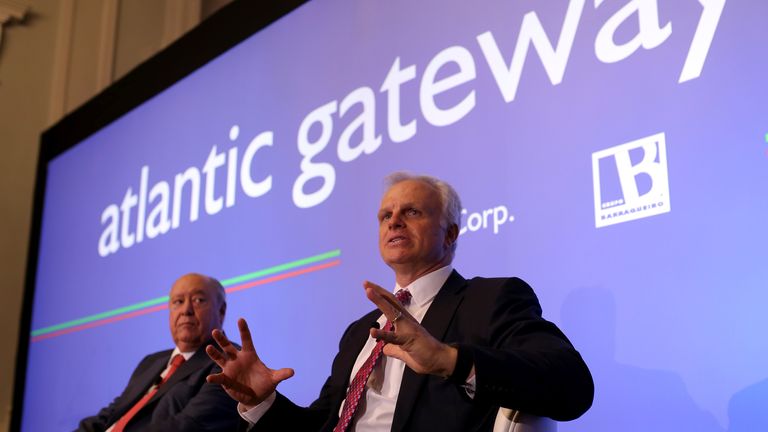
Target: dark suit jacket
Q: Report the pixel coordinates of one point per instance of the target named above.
(184, 403)
(521, 362)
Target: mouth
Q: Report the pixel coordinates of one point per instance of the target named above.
(396, 240)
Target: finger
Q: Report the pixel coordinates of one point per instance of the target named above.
(216, 356)
(227, 382)
(236, 390)
(245, 335)
(387, 296)
(218, 378)
(388, 337)
(385, 301)
(282, 374)
(394, 351)
(229, 350)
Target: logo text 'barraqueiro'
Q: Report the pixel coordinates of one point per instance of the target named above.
(630, 181)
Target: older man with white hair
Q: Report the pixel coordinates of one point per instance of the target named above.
(168, 390)
(445, 354)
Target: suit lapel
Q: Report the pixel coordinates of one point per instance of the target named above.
(436, 321)
(198, 361)
(348, 355)
(142, 383)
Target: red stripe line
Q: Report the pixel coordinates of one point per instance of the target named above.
(165, 306)
(101, 322)
(283, 276)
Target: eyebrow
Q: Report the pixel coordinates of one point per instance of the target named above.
(193, 293)
(408, 204)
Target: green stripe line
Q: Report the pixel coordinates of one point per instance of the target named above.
(160, 300)
(281, 267)
(101, 315)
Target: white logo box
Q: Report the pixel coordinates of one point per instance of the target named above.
(632, 205)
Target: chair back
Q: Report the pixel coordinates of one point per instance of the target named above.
(508, 420)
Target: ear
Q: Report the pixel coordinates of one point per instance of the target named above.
(223, 311)
(451, 234)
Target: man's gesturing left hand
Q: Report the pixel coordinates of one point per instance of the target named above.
(243, 375)
(408, 340)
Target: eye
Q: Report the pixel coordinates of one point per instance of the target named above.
(199, 300)
(412, 212)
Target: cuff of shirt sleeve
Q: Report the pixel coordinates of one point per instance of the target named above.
(471, 385)
(253, 415)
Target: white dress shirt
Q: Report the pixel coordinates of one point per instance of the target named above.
(377, 409)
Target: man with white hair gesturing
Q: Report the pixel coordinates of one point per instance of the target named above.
(446, 354)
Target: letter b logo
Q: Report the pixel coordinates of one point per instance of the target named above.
(630, 181)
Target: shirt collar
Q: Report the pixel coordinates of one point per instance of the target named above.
(424, 289)
(186, 355)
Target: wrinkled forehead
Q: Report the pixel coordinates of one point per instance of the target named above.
(411, 192)
(192, 284)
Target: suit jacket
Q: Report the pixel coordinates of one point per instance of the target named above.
(186, 402)
(522, 362)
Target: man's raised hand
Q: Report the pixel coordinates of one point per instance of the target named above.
(243, 376)
(408, 340)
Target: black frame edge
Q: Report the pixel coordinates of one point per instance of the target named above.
(226, 28)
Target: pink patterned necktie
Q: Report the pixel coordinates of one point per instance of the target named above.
(356, 388)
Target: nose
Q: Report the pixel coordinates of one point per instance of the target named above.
(396, 221)
(186, 308)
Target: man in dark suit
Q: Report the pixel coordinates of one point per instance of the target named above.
(457, 350)
(168, 390)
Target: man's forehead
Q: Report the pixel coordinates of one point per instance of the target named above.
(409, 192)
(191, 285)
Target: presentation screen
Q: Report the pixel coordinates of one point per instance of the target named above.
(613, 154)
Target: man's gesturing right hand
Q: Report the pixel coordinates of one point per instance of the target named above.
(243, 376)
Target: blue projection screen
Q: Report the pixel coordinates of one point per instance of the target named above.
(614, 154)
